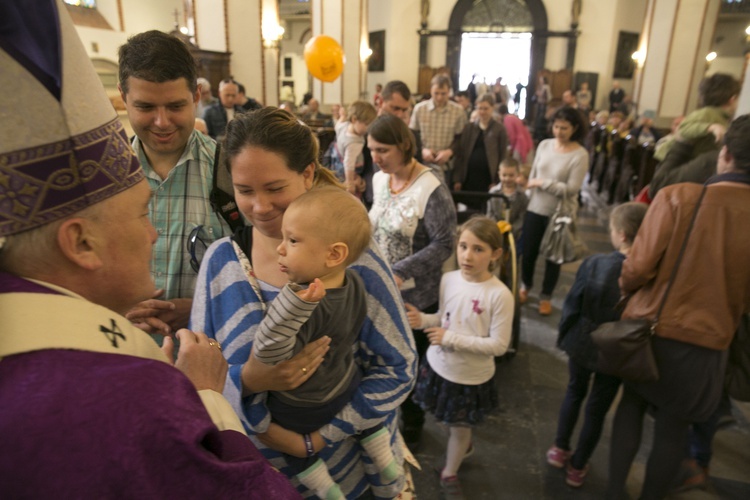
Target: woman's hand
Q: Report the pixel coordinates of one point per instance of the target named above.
(435, 334)
(414, 316)
(289, 442)
(287, 375)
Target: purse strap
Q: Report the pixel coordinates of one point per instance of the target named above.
(679, 259)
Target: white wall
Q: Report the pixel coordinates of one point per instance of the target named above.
(400, 20)
(290, 47)
(246, 47)
(209, 20)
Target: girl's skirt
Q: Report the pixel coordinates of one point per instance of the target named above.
(454, 404)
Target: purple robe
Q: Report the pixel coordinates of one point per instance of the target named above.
(80, 424)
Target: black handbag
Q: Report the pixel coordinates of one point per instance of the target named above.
(625, 348)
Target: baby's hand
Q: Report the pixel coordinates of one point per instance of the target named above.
(313, 293)
(414, 316)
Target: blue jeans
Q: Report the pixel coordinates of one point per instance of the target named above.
(603, 392)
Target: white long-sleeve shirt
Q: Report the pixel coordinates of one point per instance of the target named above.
(478, 318)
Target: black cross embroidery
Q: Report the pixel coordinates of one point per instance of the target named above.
(112, 333)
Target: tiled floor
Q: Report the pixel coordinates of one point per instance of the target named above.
(509, 461)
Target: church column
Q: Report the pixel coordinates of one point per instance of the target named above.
(243, 25)
(271, 33)
(675, 39)
(346, 22)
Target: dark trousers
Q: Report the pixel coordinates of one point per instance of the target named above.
(603, 392)
(667, 451)
(411, 413)
(702, 434)
(533, 232)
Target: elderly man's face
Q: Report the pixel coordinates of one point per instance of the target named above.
(125, 254)
(313, 105)
(228, 94)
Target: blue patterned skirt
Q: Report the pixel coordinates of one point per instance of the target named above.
(454, 404)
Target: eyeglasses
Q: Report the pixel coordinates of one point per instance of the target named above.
(196, 247)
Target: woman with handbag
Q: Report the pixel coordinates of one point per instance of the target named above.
(559, 167)
(689, 250)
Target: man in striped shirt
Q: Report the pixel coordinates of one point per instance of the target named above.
(158, 83)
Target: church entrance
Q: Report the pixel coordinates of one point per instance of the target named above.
(498, 39)
(498, 63)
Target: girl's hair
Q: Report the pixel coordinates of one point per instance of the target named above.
(628, 218)
(486, 230)
(278, 131)
(488, 98)
(572, 116)
(362, 111)
(392, 131)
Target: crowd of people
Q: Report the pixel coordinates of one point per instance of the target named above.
(299, 349)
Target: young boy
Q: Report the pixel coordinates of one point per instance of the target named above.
(316, 251)
(350, 140)
(591, 302)
(705, 127)
(515, 211)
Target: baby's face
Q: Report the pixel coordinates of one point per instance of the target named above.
(302, 251)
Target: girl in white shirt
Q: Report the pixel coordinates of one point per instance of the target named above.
(472, 326)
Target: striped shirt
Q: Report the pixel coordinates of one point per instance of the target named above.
(228, 307)
(180, 203)
(438, 126)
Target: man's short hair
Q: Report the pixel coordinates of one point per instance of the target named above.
(441, 80)
(736, 140)
(156, 57)
(395, 87)
(717, 89)
(240, 88)
(204, 83)
(462, 93)
(228, 81)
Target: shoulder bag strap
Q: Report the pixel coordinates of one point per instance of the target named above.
(679, 257)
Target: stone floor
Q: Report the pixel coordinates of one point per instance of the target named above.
(509, 461)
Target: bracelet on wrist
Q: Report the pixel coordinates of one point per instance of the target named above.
(308, 445)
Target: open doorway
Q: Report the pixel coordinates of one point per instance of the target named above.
(491, 56)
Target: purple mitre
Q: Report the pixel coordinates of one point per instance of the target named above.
(62, 147)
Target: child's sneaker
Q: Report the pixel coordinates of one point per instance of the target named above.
(574, 477)
(451, 488)
(557, 457)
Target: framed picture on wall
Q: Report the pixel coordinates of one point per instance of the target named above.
(627, 43)
(376, 62)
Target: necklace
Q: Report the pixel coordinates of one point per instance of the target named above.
(406, 182)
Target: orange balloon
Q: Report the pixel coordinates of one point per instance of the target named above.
(324, 58)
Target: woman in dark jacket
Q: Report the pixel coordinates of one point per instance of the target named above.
(480, 150)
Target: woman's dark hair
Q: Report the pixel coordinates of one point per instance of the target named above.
(278, 131)
(574, 117)
(391, 130)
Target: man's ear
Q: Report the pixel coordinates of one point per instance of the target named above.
(337, 254)
(123, 95)
(78, 243)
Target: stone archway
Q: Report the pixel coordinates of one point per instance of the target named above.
(538, 42)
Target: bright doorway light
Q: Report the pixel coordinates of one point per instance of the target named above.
(494, 55)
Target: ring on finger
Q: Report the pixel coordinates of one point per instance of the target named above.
(214, 343)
